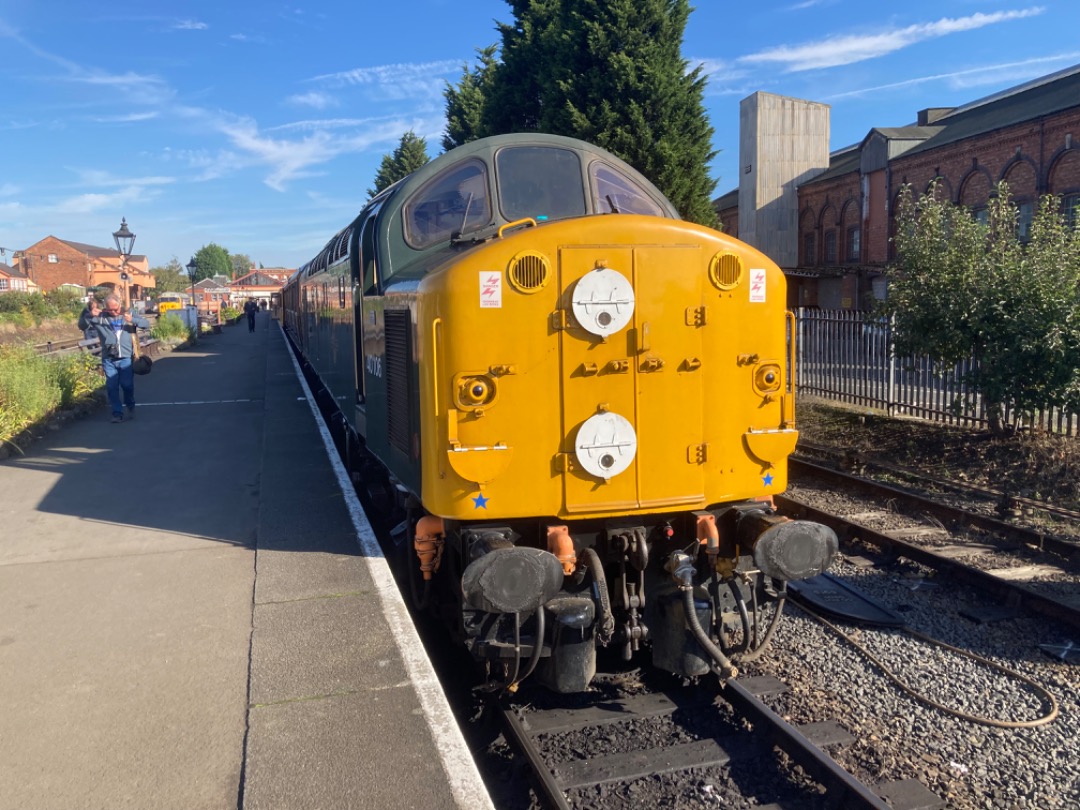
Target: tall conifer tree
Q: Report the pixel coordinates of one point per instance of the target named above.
(609, 72)
(410, 155)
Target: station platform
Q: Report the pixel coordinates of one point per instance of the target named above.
(194, 612)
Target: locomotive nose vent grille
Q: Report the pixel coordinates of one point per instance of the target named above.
(725, 271)
(529, 272)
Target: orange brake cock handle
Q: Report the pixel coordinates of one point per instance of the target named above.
(709, 536)
(561, 544)
(429, 544)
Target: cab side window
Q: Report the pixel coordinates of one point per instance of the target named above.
(618, 194)
(368, 275)
(455, 201)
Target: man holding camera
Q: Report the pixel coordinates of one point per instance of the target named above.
(117, 331)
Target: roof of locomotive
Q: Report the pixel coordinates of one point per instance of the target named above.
(465, 195)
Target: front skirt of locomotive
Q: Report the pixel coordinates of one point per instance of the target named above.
(543, 612)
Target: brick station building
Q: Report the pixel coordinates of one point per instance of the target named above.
(53, 262)
(827, 218)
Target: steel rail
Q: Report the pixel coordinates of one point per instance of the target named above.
(1012, 593)
(845, 791)
(1062, 546)
(959, 486)
(548, 785)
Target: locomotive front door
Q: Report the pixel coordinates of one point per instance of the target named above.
(631, 367)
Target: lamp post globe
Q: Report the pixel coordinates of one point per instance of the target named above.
(125, 241)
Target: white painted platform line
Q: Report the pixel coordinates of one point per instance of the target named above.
(461, 773)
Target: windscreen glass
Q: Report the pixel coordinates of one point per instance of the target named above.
(618, 194)
(540, 182)
(453, 202)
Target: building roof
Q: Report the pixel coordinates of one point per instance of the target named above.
(258, 278)
(1044, 96)
(842, 161)
(98, 252)
(12, 272)
(728, 200)
(209, 285)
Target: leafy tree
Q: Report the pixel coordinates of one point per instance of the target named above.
(606, 71)
(962, 289)
(241, 264)
(212, 260)
(465, 102)
(410, 155)
(173, 277)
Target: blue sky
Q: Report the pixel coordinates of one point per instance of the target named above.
(260, 125)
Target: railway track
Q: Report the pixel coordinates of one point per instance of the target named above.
(707, 731)
(990, 554)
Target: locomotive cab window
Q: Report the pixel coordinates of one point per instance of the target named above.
(618, 194)
(540, 182)
(455, 201)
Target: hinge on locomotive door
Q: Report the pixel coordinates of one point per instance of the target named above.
(563, 463)
(696, 316)
(697, 453)
(558, 319)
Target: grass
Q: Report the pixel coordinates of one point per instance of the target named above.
(33, 386)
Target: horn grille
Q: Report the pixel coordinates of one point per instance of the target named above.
(725, 271)
(529, 272)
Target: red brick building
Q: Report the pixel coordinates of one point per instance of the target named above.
(1026, 136)
(52, 262)
(12, 279)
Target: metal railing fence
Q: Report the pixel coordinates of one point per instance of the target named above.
(848, 356)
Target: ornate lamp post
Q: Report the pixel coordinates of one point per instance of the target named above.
(125, 241)
(192, 267)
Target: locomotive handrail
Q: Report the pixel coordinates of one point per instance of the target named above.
(435, 324)
(516, 223)
(789, 401)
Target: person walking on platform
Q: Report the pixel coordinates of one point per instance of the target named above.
(116, 330)
(251, 308)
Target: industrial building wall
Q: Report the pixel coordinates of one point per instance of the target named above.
(782, 142)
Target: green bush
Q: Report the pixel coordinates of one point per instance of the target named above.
(32, 308)
(230, 313)
(170, 327)
(32, 386)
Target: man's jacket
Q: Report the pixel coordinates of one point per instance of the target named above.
(115, 335)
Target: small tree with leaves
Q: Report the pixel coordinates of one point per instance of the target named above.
(410, 155)
(961, 289)
(212, 260)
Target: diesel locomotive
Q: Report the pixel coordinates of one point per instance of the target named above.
(577, 404)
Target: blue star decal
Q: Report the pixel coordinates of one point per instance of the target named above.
(480, 502)
(767, 479)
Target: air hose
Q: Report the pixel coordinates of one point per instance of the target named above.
(606, 619)
(1048, 699)
(724, 668)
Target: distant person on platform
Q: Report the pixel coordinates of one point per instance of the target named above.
(250, 308)
(116, 330)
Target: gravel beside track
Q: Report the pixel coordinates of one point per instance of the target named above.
(970, 765)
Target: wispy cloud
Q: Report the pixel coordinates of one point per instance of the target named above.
(1005, 73)
(130, 118)
(396, 82)
(9, 190)
(846, 50)
(190, 25)
(315, 99)
(255, 38)
(83, 204)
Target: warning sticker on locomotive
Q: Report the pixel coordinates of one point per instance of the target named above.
(757, 286)
(490, 289)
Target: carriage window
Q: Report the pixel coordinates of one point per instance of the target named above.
(453, 202)
(616, 193)
(539, 182)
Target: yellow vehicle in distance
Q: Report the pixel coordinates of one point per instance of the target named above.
(169, 301)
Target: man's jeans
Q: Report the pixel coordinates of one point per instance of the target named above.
(119, 376)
